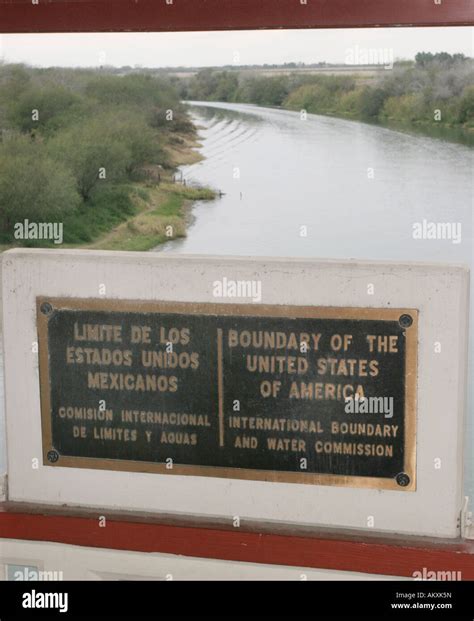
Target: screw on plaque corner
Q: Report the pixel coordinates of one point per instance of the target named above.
(405, 321)
(53, 456)
(403, 479)
(46, 308)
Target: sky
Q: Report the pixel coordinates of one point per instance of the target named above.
(201, 49)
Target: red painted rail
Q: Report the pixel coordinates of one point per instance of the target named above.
(396, 557)
(182, 15)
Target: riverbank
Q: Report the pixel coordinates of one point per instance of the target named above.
(136, 216)
(161, 203)
(98, 167)
(431, 95)
(162, 215)
(442, 131)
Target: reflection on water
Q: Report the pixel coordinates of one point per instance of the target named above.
(356, 188)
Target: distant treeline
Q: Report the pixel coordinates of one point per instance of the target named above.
(72, 143)
(434, 89)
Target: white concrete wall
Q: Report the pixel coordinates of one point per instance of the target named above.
(439, 292)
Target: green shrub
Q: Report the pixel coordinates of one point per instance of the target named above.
(106, 209)
(409, 107)
(44, 109)
(466, 106)
(32, 186)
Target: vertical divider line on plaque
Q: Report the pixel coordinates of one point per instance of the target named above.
(220, 384)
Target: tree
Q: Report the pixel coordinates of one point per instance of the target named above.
(227, 85)
(466, 106)
(136, 136)
(425, 58)
(92, 154)
(110, 147)
(265, 91)
(48, 107)
(405, 108)
(14, 79)
(32, 185)
(139, 90)
(203, 86)
(371, 102)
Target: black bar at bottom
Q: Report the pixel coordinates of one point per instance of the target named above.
(310, 599)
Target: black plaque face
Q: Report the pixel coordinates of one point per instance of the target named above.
(292, 394)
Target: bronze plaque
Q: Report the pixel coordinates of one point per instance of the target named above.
(317, 395)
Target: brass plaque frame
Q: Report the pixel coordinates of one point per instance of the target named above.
(256, 310)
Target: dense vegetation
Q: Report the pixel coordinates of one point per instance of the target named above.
(74, 144)
(435, 89)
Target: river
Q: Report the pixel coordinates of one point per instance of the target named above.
(357, 188)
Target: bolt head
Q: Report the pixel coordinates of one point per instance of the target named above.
(46, 308)
(403, 479)
(53, 456)
(405, 321)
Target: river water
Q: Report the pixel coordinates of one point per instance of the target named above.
(357, 188)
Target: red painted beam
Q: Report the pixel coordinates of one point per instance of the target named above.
(182, 15)
(238, 545)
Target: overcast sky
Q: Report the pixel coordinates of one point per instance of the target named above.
(222, 48)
